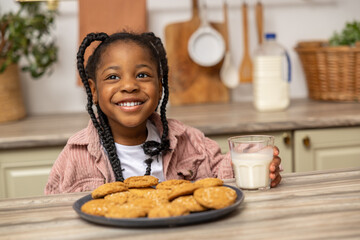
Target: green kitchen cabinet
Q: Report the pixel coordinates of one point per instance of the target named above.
(321, 149)
(24, 172)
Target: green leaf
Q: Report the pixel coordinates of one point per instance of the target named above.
(349, 35)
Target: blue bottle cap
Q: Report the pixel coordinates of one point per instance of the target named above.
(270, 35)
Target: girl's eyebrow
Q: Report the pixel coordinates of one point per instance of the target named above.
(112, 67)
(143, 65)
(118, 67)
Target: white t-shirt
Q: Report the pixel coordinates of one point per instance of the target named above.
(133, 157)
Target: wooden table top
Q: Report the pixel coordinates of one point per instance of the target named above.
(312, 205)
(212, 119)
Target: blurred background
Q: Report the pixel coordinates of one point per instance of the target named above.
(292, 21)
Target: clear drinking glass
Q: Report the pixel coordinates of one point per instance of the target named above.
(251, 156)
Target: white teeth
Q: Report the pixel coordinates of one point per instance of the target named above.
(129, 104)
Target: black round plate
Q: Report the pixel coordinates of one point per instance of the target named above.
(192, 218)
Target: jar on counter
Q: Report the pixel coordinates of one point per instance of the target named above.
(272, 75)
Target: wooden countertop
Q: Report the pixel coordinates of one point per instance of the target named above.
(311, 205)
(212, 119)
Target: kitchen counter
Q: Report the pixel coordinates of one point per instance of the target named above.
(311, 205)
(212, 119)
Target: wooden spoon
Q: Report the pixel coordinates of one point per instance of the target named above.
(246, 66)
(259, 21)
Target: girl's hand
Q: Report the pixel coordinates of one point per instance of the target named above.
(275, 168)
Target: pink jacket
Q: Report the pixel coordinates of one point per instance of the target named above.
(83, 165)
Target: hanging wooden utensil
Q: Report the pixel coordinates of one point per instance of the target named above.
(246, 66)
(129, 15)
(259, 21)
(189, 82)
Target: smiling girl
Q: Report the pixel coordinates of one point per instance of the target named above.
(126, 79)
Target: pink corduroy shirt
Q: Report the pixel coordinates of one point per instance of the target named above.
(83, 164)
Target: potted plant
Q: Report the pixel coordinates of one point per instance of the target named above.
(25, 39)
(349, 36)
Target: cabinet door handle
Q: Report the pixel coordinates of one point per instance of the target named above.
(286, 139)
(306, 141)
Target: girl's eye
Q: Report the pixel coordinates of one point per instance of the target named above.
(142, 75)
(112, 77)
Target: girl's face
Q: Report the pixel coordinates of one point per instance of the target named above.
(127, 89)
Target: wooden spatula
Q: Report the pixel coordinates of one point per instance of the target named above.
(259, 21)
(246, 66)
(189, 82)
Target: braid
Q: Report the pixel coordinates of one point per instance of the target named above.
(109, 145)
(153, 148)
(101, 126)
(165, 70)
(148, 166)
(84, 78)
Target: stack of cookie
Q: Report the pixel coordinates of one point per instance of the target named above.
(144, 196)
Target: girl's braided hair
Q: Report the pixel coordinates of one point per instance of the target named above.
(157, 51)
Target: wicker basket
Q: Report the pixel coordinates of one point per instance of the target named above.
(332, 73)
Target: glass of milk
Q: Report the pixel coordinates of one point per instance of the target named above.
(251, 156)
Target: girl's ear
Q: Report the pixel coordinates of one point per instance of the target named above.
(92, 85)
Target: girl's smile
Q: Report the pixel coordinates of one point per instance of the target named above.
(128, 90)
(130, 104)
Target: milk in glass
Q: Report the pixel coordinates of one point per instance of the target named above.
(252, 169)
